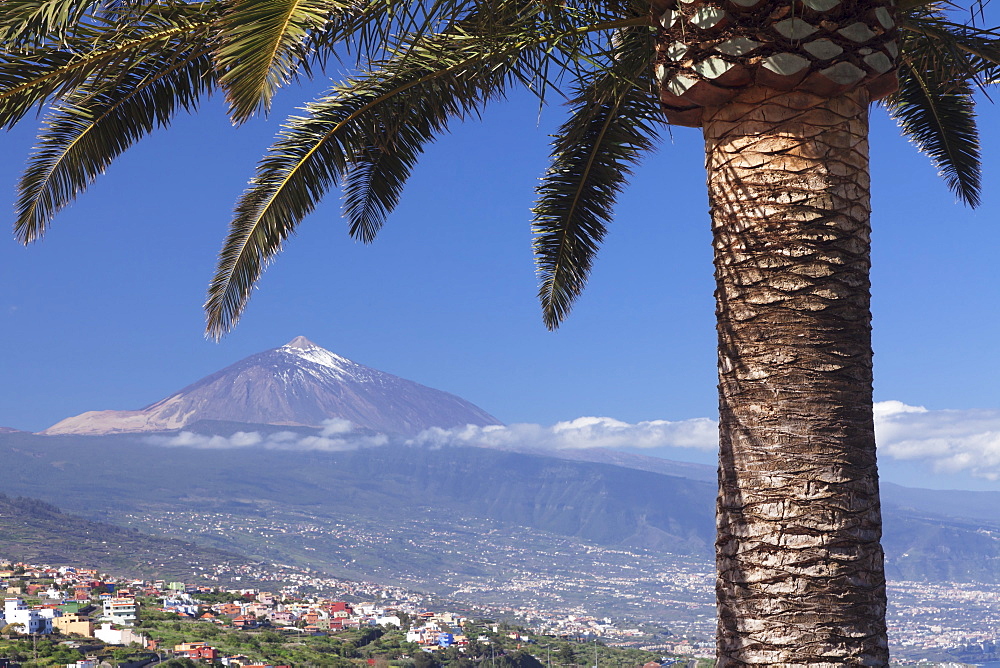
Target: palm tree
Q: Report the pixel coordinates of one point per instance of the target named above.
(782, 90)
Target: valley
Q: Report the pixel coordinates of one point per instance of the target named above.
(487, 563)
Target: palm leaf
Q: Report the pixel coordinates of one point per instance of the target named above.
(262, 44)
(374, 182)
(934, 106)
(94, 52)
(375, 178)
(942, 125)
(25, 23)
(86, 133)
(612, 125)
(375, 175)
(972, 54)
(393, 110)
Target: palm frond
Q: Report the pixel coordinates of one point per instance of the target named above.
(395, 110)
(973, 54)
(94, 52)
(612, 125)
(398, 128)
(262, 44)
(373, 184)
(941, 66)
(86, 133)
(26, 23)
(375, 176)
(942, 125)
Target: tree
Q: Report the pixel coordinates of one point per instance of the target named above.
(180, 663)
(11, 629)
(424, 659)
(518, 659)
(781, 89)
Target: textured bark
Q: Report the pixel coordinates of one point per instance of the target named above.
(800, 568)
(708, 51)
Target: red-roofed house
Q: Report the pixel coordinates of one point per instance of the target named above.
(197, 651)
(245, 622)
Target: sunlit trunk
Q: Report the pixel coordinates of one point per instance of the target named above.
(800, 568)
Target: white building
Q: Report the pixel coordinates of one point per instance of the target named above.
(112, 636)
(50, 614)
(120, 611)
(16, 612)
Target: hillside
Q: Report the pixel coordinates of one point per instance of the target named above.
(37, 532)
(407, 495)
(608, 505)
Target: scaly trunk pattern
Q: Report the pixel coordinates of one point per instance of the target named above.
(800, 567)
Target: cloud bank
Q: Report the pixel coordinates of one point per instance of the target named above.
(950, 441)
(584, 432)
(336, 435)
(945, 441)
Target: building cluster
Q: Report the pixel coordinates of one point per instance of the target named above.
(924, 619)
(82, 602)
(76, 600)
(253, 608)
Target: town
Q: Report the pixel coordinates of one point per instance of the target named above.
(928, 623)
(629, 597)
(157, 621)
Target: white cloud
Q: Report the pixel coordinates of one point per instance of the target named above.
(946, 441)
(335, 435)
(189, 439)
(336, 426)
(584, 432)
(887, 409)
(949, 440)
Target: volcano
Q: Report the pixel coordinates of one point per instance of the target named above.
(299, 384)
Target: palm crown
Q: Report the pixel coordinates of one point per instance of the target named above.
(111, 72)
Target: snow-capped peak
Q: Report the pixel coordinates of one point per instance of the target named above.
(298, 384)
(305, 349)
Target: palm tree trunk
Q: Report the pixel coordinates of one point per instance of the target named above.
(800, 567)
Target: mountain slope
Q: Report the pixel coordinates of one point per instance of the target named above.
(298, 384)
(36, 532)
(604, 504)
(391, 487)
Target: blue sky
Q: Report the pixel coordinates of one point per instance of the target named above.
(105, 312)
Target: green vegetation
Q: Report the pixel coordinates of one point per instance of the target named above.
(383, 647)
(45, 652)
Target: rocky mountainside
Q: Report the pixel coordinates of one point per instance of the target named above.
(299, 384)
